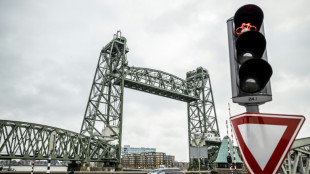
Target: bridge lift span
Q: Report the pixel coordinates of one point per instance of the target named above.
(101, 132)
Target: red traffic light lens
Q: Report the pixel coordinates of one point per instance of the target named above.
(249, 14)
(245, 27)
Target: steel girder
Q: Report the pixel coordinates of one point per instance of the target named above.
(159, 83)
(19, 140)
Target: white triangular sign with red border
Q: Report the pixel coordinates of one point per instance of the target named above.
(265, 139)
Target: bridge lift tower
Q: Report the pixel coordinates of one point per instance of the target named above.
(101, 132)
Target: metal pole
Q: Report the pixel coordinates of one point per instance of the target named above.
(49, 163)
(252, 108)
(35, 153)
(33, 163)
(10, 164)
(199, 157)
(228, 145)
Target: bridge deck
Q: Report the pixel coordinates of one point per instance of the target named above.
(158, 91)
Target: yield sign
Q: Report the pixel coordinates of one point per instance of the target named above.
(265, 139)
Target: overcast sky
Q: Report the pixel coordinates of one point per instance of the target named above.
(49, 50)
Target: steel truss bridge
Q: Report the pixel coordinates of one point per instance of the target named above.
(298, 158)
(101, 132)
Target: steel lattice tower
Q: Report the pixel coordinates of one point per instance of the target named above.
(202, 119)
(104, 111)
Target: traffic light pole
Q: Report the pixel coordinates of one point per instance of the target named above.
(252, 108)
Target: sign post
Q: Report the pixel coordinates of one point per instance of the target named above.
(265, 139)
(201, 152)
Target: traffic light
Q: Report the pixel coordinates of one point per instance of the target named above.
(229, 159)
(36, 153)
(250, 70)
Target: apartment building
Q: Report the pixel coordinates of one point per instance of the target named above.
(148, 160)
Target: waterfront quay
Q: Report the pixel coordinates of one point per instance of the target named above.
(101, 172)
(221, 171)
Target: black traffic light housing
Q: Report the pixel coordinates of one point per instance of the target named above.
(229, 159)
(36, 153)
(250, 70)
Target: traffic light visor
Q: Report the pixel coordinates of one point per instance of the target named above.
(249, 14)
(254, 74)
(250, 44)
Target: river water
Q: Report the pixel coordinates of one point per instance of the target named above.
(39, 168)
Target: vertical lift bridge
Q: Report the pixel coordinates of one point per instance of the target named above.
(101, 133)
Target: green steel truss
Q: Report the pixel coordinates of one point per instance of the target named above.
(203, 130)
(159, 83)
(19, 140)
(104, 111)
(101, 131)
